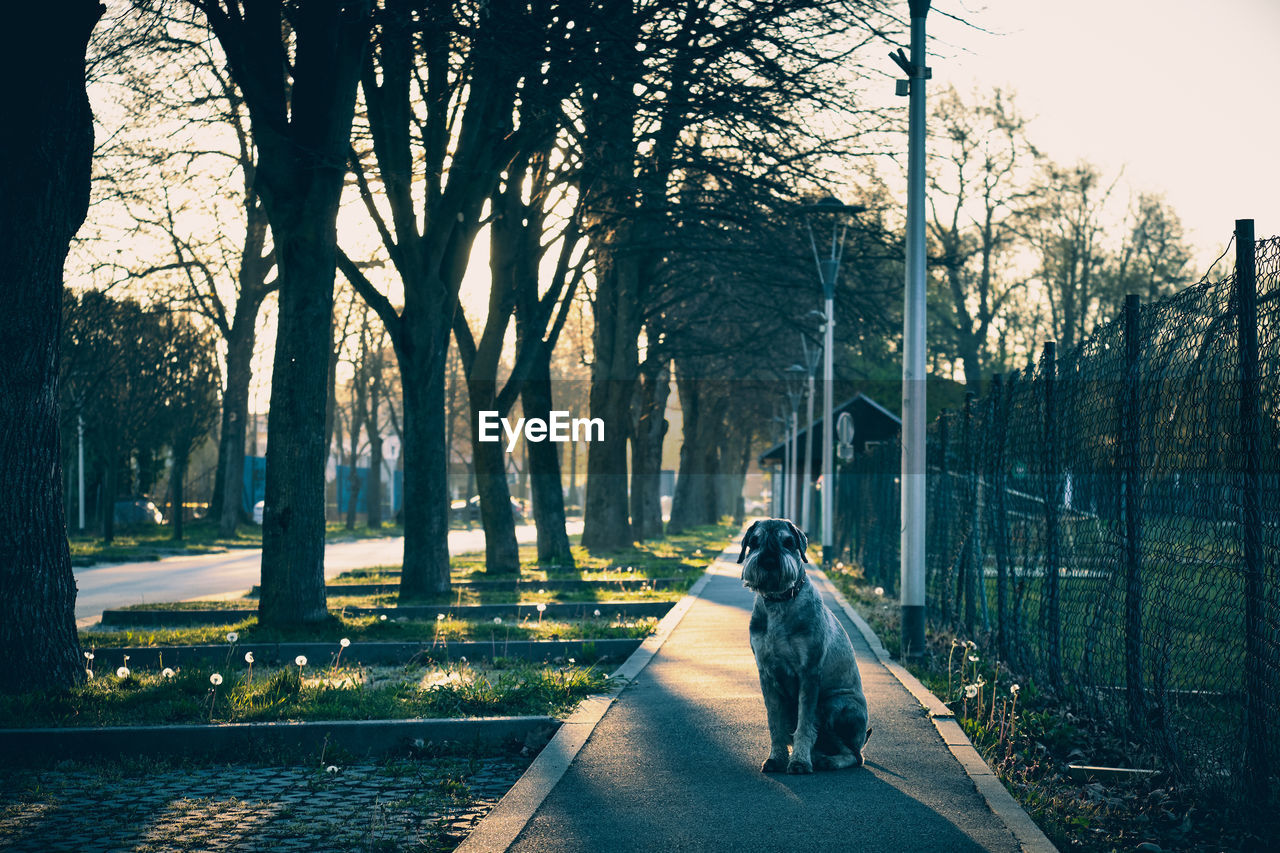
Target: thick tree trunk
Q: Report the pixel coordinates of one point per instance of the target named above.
(44, 195)
(544, 472)
(501, 552)
(646, 453)
(606, 524)
(426, 496)
(293, 522)
(696, 501)
(229, 488)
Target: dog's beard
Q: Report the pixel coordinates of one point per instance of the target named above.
(764, 572)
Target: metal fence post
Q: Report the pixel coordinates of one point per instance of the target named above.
(969, 571)
(997, 530)
(1256, 741)
(942, 522)
(1053, 651)
(1130, 513)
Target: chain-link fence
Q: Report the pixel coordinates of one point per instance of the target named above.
(1108, 520)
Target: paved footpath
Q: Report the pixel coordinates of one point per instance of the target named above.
(674, 763)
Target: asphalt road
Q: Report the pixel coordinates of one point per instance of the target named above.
(230, 574)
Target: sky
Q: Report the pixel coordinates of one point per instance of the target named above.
(1180, 94)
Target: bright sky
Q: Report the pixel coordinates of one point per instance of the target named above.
(1178, 93)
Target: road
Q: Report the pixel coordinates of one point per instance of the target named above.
(230, 574)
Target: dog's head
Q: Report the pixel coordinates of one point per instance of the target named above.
(773, 550)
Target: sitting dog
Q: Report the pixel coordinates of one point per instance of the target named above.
(812, 689)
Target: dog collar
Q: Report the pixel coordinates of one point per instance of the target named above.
(784, 596)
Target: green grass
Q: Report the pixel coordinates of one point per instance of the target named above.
(374, 629)
(199, 537)
(345, 693)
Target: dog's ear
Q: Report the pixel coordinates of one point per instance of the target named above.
(745, 538)
(802, 541)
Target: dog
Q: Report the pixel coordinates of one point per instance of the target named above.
(812, 689)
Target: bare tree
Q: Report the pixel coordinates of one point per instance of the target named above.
(978, 188)
(44, 195)
(297, 66)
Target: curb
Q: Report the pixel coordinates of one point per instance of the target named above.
(579, 610)
(319, 654)
(513, 812)
(244, 740)
(1002, 804)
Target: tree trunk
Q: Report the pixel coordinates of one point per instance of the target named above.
(177, 482)
(696, 501)
(373, 490)
(109, 488)
(544, 472)
(229, 488)
(44, 188)
(646, 452)
(606, 525)
(293, 522)
(425, 501)
(501, 552)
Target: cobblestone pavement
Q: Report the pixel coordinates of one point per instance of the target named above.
(425, 804)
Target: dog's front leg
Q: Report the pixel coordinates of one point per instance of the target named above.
(806, 727)
(781, 716)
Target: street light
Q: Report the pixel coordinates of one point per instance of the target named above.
(913, 344)
(828, 270)
(811, 356)
(794, 391)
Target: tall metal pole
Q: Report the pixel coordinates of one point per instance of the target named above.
(795, 453)
(913, 355)
(828, 431)
(806, 475)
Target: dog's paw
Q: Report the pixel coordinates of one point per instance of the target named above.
(773, 765)
(823, 762)
(798, 767)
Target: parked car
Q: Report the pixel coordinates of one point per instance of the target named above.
(468, 512)
(137, 512)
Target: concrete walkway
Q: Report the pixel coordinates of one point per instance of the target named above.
(674, 762)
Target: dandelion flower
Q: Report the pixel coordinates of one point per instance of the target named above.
(344, 642)
(879, 590)
(971, 644)
(232, 637)
(970, 691)
(497, 620)
(332, 768)
(955, 643)
(248, 657)
(88, 655)
(463, 659)
(122, 672)
(973, 658)
(300, 660)
(166, 673)
(439, 617)
(1014, 688)
(541, 590)
(215, 679)
(571, 660)
(597, 611)
(542, 608)
(382, 618)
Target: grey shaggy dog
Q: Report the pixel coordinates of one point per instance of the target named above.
(812, 689)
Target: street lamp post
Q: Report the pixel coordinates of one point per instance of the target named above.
(794, 390)
(811, 356)
(913, 345)
(828, 271)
